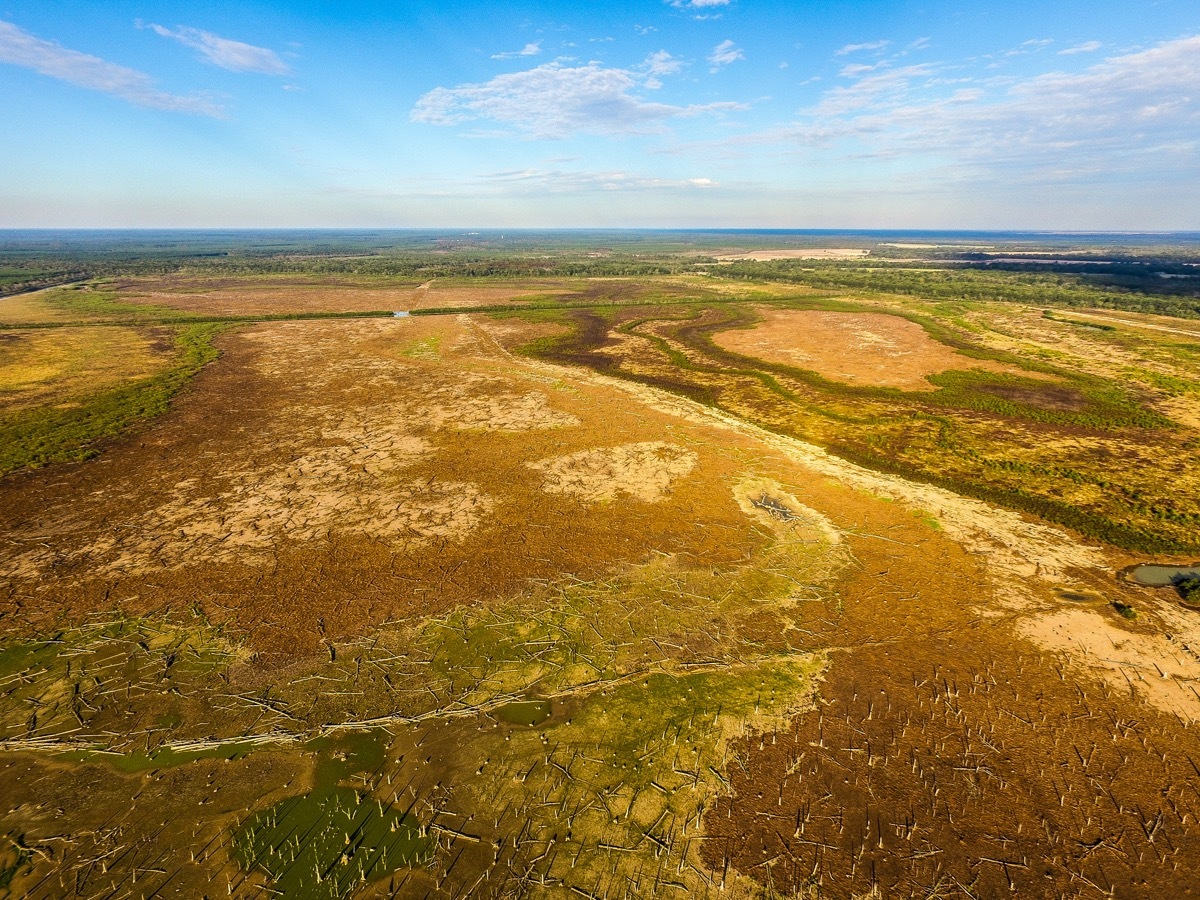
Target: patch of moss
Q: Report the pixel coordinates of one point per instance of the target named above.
(1124, 610)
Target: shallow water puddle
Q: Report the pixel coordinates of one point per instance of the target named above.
(1163, 576)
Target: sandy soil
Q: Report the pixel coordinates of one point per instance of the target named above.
(641, 471)
(857, 348)
(1160, 670)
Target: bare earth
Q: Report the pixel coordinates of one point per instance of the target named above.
(858, 348)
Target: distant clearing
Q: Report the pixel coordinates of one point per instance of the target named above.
(209, 296)
(453, 293)
(809, 253)
(858, 348)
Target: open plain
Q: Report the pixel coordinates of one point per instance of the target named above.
(715, 581)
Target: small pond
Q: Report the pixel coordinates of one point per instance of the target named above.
(1163, 576)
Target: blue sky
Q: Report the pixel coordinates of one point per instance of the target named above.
(684, 113)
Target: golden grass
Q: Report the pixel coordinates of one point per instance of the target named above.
(58, 366)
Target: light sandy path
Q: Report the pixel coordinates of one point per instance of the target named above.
(1134, 324)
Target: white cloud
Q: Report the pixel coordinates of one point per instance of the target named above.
(873, 45)
(854, 70)
(528, 50)
(1087, 47)
(723, 54)
(20, 48)
(555, 101)
(893, 84)
(1137, 113)
(232, 55)
(698, 4)
(660, 62)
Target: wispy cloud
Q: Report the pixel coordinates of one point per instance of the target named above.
(225, 53)
(568, 181)
(723, 54)
(1087, 47)
(556, 101)
(854, 70)
(528, 50)
(20, 48)
(872, 90)
(872, 45)
(698, 4)
(1136, 113)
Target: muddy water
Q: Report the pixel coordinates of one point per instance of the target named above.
(1162, 576)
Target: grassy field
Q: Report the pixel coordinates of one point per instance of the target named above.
(72, 429)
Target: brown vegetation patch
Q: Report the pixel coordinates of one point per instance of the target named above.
(1050, 397)
(948, 759)
(267, 295)
(512, 333)
(858, 348)
(317, 480)
(455, 294)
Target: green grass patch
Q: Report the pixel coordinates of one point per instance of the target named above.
(425, 348)
(91, 302)
(14, 858)
(1189, 589)
(1124, 610)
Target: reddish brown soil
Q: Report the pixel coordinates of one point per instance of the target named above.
(858, 348)
(948, 758)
